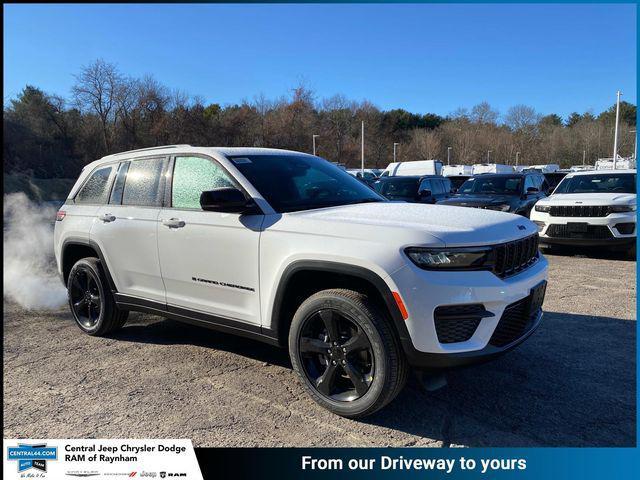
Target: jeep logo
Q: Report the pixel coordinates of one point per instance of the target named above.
(521, 227)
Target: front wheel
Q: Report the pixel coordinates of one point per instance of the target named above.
(91, 302)
(344, 349)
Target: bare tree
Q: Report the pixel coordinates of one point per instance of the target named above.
(483, 113)
(521, 117)
(97, 90)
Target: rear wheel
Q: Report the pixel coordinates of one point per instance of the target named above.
(344, 350)
(90, 299)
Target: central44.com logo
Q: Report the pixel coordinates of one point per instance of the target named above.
(32, 456)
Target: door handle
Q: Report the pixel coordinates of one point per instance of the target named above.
(107, 217)
(173, 223)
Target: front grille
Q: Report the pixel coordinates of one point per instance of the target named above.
(513, 257)
(458, 323)
(584, 231)
(579, 211)
(518, 318)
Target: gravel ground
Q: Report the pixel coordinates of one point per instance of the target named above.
(572, 383)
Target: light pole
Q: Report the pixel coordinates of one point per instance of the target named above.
(314, 144)
(394, 151)
(615, 136)
(517, 156)
(584, 157)
(448, 155)
(488, 155)
(635, 148)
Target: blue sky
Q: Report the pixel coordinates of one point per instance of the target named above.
(424, 58)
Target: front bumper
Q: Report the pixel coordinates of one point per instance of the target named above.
(423, 291)
(446, 361)
(599, 231)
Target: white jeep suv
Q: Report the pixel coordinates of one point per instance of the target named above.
(289, 249)
(590, 208)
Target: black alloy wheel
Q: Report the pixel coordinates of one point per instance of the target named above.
(336, 355)
(85, 297)
(91, 300)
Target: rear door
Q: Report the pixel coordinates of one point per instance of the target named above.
(209, 260)
(82, 209)
(126, 229)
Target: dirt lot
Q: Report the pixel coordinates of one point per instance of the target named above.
(573, 383)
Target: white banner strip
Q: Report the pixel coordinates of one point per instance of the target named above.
(100, 459)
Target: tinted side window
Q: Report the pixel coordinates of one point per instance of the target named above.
(191, 177)
(528, 182)
(143, 185)
(426, 185)
(438, 186)
(96, 189)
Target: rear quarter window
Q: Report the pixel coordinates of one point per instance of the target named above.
(96, 188)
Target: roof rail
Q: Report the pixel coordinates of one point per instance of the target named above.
(151, 148)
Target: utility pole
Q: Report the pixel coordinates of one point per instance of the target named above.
(314, 143)
(362, 151)
(394, 151)
(615, 136)
(448, 155)
(517, 157)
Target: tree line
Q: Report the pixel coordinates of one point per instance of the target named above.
(49, 136)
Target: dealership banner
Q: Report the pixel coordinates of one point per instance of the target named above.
(93, 459)
(169, 459)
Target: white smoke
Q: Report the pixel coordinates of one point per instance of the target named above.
(30, 274)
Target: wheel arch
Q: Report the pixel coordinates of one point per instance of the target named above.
(302, 278)
(74, 249)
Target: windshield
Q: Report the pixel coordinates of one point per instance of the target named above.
(299, 182)
(492, 186)
(398, 188)
(457, 180)
(604, 183)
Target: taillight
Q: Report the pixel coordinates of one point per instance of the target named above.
(60, 215)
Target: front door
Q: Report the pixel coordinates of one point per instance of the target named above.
(209, 260)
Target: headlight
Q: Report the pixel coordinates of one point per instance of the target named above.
(543, 208)
(499, 207)
(622, 208)
(476, 258)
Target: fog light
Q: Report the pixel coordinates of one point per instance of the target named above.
(625, 228)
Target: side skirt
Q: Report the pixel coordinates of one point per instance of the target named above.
(193, 317)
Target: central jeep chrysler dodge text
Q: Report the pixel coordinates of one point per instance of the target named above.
(290, 249)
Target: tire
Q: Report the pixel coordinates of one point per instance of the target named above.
(381, 367)
(91, 301)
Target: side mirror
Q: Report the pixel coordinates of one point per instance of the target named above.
(225, 199)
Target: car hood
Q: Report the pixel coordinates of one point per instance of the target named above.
(479, 200)
(411, 223)
(590, 199)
